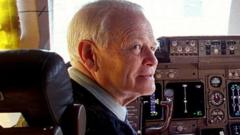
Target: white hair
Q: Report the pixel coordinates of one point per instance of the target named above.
(91, 23)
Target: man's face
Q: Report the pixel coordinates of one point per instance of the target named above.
(128, 64)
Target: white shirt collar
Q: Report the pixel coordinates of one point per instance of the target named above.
(99, 93)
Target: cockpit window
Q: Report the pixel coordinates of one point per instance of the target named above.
(168, 18)
(187, 17)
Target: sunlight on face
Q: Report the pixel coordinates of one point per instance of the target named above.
(128, 64)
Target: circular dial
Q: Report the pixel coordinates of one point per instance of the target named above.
(217, 115)
(216, 98)
(215, 81)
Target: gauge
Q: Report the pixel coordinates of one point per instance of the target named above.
(174, 43)
(216, 98)
(215, 81)
(192, 43)
(217, 115)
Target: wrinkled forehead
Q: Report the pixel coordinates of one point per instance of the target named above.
(120, 19)
(128, 24)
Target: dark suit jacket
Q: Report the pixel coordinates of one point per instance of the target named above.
(100, 120)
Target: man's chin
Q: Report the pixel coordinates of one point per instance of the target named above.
(148, 92)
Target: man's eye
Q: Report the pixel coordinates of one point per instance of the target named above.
(137, 48)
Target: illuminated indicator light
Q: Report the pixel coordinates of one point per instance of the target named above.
(198, 113)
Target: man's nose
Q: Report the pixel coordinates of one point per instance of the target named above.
(150, 58)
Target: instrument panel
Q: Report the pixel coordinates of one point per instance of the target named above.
(204, 74)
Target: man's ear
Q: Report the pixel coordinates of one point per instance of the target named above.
(87, 54)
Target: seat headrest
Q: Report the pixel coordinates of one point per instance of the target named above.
(35, 83)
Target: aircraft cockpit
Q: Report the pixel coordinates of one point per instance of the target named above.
(203, 74)
(198, 73)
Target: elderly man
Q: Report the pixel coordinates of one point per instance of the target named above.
(111, 48)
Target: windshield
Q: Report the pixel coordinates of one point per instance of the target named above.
(168, 18)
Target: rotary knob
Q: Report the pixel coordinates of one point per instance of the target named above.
(179, 128)
(171, 75)
(187, 49)
(179, 49)
(174, 43)
(158, 75)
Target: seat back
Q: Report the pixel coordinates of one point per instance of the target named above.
(36, 83)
